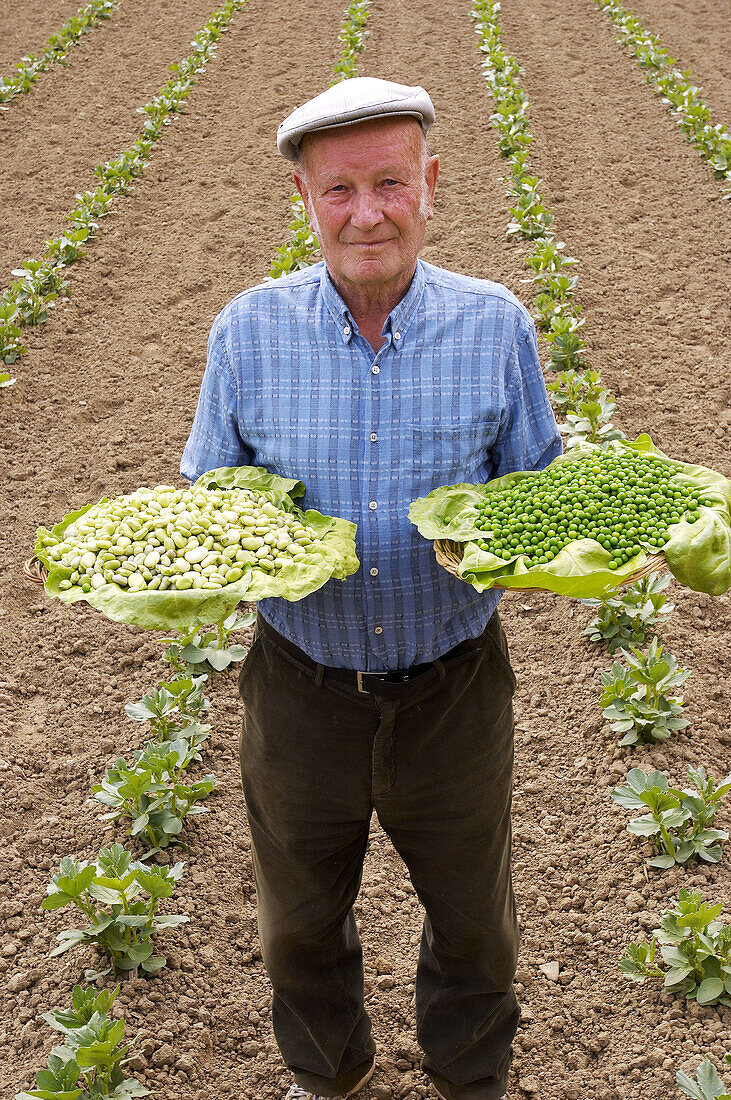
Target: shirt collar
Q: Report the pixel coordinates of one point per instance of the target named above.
(398, 320)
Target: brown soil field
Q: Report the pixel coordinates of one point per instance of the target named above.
(104, 402)
(27, 25)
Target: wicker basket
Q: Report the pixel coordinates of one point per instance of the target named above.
(449, 555)
(35, 570)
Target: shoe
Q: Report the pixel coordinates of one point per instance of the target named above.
(298, 1093)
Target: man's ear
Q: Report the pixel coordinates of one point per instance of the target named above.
(431, 173)
(301, 185)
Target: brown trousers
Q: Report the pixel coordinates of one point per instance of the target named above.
(435, 762)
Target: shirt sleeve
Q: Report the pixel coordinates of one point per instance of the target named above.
(528, 438)
(215, 439)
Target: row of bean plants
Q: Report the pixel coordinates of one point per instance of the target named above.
(576, 390)
(29, 69)
(119, 895)
(39, 283)
(302, 248)
(637, 695)
(676, 87)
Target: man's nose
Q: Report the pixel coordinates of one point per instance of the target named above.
(366, 212)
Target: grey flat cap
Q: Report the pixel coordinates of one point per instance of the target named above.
(351, 101)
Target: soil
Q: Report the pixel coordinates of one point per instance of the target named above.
(104, 403)
(27, 25)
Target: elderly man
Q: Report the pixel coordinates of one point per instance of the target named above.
(375, 377)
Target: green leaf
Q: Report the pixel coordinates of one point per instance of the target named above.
(662, 862)
(133, 921)
(56, 901)
(153, 964)
(50, 1094)
(676, 975)
(709, 1086)
(701, 917)
(709, 991)
(140, 824)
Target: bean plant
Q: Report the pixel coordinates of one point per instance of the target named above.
(208, 651)
(678, 820)
(627, 618)
(174, 709)
(636, 700)
(707, 1085)
(110, 894)
(92, 1058)
(301, 249)
(531, 219)
(567, 346)
(695, 952)
(152, 792)
(591, 422)
(557, 300)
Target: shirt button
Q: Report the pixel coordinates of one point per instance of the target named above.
(375, 369)
(346, 330)
(372, 504)
(378, 630)
(374, 571)
(374, 437)
(397, 335)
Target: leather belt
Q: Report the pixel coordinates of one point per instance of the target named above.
(370, 683)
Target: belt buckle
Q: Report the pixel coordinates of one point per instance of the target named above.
(359, 682)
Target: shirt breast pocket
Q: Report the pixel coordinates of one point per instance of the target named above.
(446, 453)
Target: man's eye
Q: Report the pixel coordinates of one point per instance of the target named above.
(391, 182)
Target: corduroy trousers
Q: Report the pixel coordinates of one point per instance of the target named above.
(434, 760)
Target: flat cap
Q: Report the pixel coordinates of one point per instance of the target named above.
(351, 101)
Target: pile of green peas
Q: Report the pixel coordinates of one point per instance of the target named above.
(625, 502)
(167, 538)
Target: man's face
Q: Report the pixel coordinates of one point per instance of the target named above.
(369, 191)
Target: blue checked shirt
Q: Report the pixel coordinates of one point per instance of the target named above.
(455, 394)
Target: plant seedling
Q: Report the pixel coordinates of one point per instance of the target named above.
(152, 792)
(635, 698)
(707, 1085)
(678, 819)
(206, 651)
(626, 619)
(695, 950)
(110, 894)
(93, 1055)
(301, 248)
(173, 710)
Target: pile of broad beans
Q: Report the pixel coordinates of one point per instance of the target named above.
(167, 538)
